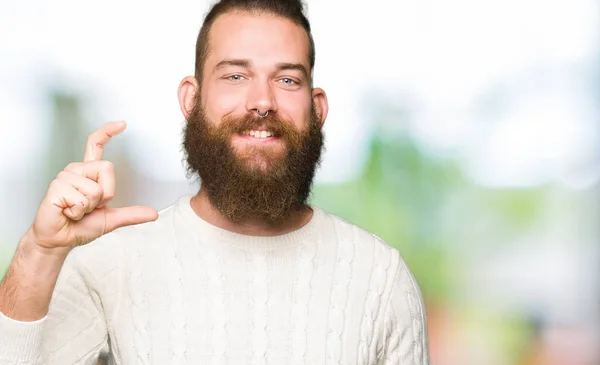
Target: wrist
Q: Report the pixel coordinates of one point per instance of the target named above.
(38, 259)
(32, 242)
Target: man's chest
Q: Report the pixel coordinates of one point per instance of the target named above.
(243, 317)
(238, 326)
(310, 305)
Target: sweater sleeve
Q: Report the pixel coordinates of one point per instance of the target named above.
(405, 322)
(73, 332)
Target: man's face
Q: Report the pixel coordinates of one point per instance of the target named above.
(253, 167)
(257, 63)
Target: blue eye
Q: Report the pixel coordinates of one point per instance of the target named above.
(235, 77)
(288, 81)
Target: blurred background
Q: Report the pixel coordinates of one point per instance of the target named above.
(465, 133)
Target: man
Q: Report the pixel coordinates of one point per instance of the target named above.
(244, 272)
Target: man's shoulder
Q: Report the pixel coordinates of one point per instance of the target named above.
(383, 263)
(345, 227)
(366, 244)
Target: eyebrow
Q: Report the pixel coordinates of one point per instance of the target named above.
(233, 62)
(293, 66)
(245, 63)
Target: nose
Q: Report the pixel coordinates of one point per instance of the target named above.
(260, 98)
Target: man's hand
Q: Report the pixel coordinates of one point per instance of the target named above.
(74, 210)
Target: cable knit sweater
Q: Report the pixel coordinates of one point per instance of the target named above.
(181, 291)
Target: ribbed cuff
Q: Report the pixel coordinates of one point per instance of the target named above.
(20, 341)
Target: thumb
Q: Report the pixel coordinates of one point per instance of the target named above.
(127, 216)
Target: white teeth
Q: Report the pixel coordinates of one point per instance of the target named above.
(259, 134)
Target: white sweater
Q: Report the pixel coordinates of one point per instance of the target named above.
(182, 291)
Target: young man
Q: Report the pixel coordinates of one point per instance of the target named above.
(244, 272)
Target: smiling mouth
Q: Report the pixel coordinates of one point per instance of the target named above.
(259, 134)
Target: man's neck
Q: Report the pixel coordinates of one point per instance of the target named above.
(208, 212)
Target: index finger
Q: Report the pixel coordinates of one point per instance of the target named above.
(96, 141)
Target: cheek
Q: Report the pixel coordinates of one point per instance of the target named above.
(220, 101)
(295, 108)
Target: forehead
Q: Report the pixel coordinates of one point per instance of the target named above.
(262, 38)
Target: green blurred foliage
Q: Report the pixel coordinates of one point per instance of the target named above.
(428, 209)
(437, 217)
(398, 197)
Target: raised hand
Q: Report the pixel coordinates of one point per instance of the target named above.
(74, 210)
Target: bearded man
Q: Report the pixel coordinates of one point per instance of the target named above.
(244, 272)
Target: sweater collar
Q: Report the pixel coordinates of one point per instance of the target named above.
(204, 230)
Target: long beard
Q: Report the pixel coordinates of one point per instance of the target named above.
(256, 184)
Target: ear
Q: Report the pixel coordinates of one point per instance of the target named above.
(321, 105)
(188, 87)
